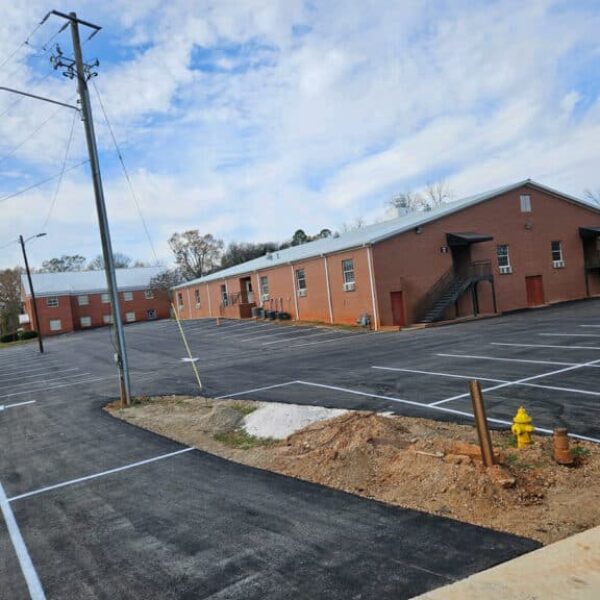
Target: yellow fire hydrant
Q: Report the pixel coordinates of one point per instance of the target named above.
(522, 428)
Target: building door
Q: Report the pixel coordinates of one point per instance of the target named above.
(535, 290)
(398, 309)
(249, 292)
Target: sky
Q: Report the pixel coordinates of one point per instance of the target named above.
(249, 119)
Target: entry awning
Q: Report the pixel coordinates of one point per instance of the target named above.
(467, 238)
(589, 233)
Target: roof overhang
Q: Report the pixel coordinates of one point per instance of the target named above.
(589, 233)
(466, 238)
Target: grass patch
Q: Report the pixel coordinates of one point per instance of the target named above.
(16, 343)
(580, 452)
(244, 408)
(242, 440)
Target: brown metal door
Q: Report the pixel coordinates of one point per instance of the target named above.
(535, 290)
(398, 309)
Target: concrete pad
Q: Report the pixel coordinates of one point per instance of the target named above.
(566, 570)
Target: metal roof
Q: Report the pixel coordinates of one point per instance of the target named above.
(88, 282)
(371, 234)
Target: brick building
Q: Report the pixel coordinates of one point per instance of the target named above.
(80, 300)
(521, 245)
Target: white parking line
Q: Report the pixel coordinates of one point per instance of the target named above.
(304, 337)
(589, 326)
(503, 381)
(594, 335)
(433, 407)
(336, 339)
(262, 335)
(55, 387)
(15, 404)
(39, 370)
(31, 577)
(36, 375)
(546, 346)
(260, 389)
(61, 378)
(96, 475)
(516, 360)
(524, 380)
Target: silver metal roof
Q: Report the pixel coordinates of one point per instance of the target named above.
(370, 234)
(88, 282)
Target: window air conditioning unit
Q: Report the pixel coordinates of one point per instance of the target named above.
(505, 270)
(302, 292)
(349, 286)
(264, 297)
(558, 264)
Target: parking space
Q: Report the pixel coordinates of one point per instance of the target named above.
(87, 492)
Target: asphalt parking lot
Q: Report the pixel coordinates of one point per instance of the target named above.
(94, 507)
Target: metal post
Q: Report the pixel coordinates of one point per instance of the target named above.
(111, 280)
(33, 300)
(485, 441)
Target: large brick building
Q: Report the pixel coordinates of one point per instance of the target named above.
(522, 245)
(79, 299)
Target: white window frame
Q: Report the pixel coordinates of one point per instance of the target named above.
(197, 297)
(503, 258)
(107, 319)
(127, 296)
(53, 326)
(130, 317)
(52, 301)
(224, 294)
(558, 260)
(348, 274)
(83, 300)
(264, 287)
(105, 298)
(149, 294)
(180, 300)
(525, 200)
(301, 286)
(85, 321)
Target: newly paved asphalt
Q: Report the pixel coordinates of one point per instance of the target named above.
(191, 525)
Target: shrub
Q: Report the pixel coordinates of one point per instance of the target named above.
(9, 337)
(28, 335)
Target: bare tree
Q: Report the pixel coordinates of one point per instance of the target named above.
(120, 260)
(407, 201)
(437, 193)
(358, 223)
(592, 196)
(64, 263)
(195, 254)
(10, 299)
(162, 283)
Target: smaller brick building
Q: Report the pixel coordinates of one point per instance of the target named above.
(80, 300)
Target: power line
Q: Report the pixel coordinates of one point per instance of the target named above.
(39, 183)
(23, 43)
(62, 172)
(20, 98)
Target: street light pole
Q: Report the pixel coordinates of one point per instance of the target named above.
(33, 300)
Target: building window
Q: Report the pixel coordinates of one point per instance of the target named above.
(264, 287)
(503, 258)
(301, 282)
(107, 319)
(224, 298)
(128, 296)
(148, 294)
(105, 298)
(85, 321)
(83, 300)
(348, 272)
(151, 314)
(55, 325)
(557, 254)
(525, 203)
(197, 297)
(179, 300)
(130, 317)
(52, 302)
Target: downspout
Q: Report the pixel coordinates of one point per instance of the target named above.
(258, 291)
(328, 289)
(294, 293)
(209, 303)
(373, 291)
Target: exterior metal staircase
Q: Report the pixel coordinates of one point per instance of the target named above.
(450, 287)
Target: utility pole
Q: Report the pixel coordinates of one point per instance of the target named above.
(33, 300)
(82, 72)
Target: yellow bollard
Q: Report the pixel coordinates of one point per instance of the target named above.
(522, 428)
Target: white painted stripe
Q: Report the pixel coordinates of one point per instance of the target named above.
(97, 475)
(305, 337)
(39, 375)
(503, 381)
(37, 371)
(15, 404)
(589, 326)
(594, 335)
(55, 387)
(546, 346)
(31, 577)
(260, 389)
(516, 360)
(62, 378)
(432, 407)
(354, 336)
(260, 336)
(526, 380)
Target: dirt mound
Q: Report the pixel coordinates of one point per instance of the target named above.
(220, 419)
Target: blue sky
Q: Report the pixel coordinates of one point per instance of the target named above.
(250, 119)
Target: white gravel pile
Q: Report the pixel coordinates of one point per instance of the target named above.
(280, 420)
